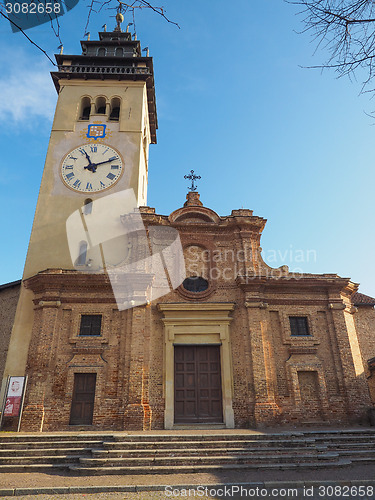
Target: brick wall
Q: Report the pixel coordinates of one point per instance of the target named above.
(364, 320)
(8, 304)
(277, 378)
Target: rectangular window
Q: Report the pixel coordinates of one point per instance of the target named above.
(299, 325)
(91, 324)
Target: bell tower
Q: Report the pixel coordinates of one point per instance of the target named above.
(105, 109)
(104, 122)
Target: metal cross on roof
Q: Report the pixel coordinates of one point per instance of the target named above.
(192, 177)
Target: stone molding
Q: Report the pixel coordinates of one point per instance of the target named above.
(49, 303)
(259, 305)
(336, 306)
(206, 323)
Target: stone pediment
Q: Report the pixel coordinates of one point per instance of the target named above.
(193, 212)
(194, 215)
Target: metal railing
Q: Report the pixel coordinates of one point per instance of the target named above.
(108, 70)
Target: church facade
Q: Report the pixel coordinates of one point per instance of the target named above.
(235, 343)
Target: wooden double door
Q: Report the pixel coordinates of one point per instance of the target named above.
(197, 384)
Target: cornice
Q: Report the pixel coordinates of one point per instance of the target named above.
(292, 282)
(196, 314)
(207, 306)
(60, 280)
(56, 287)
(198, 218)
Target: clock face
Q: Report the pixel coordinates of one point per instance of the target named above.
(91, 168)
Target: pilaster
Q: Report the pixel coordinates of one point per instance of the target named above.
(356, 388)
(266, 410)
(138, 412)
(38, 366)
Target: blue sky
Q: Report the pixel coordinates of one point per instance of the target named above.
(236, 105)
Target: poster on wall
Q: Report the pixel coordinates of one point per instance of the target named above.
(14, 397)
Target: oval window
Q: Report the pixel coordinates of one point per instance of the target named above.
(195, 284)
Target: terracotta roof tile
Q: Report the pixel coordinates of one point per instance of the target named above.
(360, 299)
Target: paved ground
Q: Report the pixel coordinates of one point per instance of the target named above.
(38, 479)
(266, 479)
(148, 495)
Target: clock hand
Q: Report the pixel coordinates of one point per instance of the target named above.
(87, 156)
(101, 162)
(90, 166)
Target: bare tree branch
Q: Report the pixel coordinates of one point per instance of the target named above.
(31, 41)
(94, 6)
(346, 29)
(142, 4)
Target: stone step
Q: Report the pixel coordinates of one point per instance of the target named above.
(29, 445)
(332, 432)
(189, 469)
(201, 437)
(55, 460)
(155, 438)
(178, 452)
(195, 427)
(354, 453)
(160, 453)
(272, 445)
(193, 452)
(345, 439)
(46, 437)
(123, 445)
(210, 460)
(348, 446)
(35, 452)
(126, 443)
(29, 468)
(362, 460)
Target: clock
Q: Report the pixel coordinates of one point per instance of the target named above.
(91, 168)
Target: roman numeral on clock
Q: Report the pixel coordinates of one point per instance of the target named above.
(85, 169)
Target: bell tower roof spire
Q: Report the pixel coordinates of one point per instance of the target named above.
(119, 20)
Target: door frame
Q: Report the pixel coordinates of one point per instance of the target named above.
(206, 323)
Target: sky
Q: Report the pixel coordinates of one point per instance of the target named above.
(237, 104)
